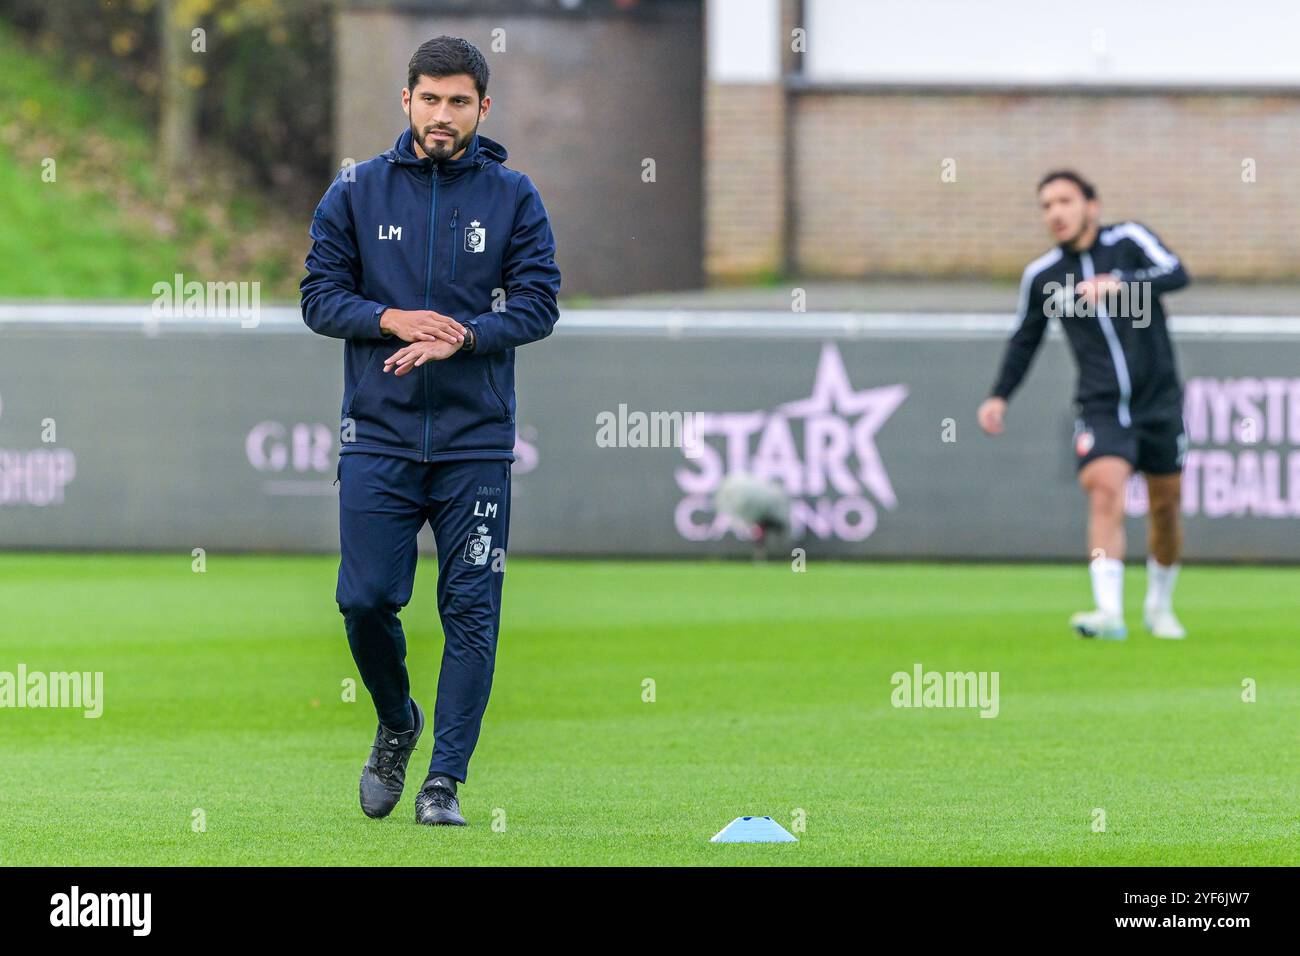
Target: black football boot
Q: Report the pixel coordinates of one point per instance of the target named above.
(384, 775)
(437, 805)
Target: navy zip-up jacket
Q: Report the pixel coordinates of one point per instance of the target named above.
(1126, 362)
(468, 238)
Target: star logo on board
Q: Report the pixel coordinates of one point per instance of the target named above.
(833, 395)
(821, 451)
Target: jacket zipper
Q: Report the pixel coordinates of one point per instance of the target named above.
(428, 288)
(454, 213)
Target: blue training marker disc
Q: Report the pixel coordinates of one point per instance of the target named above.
(753, 830)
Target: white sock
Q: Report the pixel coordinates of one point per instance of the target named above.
(1108, 585)
(1160, 584)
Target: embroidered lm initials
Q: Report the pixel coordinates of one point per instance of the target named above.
(394, 232)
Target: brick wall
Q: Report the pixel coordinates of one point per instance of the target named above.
(870, 200)
(744, 179)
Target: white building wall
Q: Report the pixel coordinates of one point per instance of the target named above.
(1138, 42)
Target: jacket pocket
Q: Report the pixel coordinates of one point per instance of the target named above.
(492, 384)
(365, 373)
(384, 409)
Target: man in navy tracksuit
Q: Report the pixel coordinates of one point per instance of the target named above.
(433, 261)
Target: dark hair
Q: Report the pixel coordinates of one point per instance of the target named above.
(448, 56)
(1088, 190)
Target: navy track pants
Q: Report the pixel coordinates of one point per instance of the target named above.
(384, 501)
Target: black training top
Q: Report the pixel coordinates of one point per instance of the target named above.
(1121, 346)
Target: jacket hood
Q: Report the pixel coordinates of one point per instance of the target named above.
(480, 151)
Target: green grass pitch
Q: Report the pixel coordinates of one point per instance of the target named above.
(222, 693)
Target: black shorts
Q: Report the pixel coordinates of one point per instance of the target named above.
(1153, 446)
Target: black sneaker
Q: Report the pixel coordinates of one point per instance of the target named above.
(384, 775)
(436, 803)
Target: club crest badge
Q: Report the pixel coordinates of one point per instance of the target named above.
(477, 545)
(475, 237)
(1083, 442)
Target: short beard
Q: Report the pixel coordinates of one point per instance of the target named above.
(1069, 243)
(443, 151)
